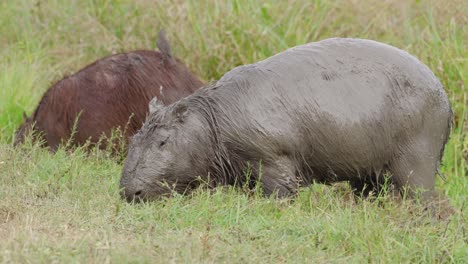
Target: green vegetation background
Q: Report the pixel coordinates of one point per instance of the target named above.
(65, 207)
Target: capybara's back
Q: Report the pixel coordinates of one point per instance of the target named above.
(111, 93)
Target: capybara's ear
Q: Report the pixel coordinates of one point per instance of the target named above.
(155, 105)
(163, 45)
(25, 117)
(180, 110)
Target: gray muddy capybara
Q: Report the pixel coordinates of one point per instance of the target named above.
(328, 111)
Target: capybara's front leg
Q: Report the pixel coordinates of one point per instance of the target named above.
(279, 177)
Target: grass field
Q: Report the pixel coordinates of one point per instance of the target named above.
(65, 207)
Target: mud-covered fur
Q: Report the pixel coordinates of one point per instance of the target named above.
(334, 110)
(112, 92)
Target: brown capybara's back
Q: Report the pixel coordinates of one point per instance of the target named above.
(112, 92)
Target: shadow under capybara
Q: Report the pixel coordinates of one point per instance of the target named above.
(335, 110)
(111, 93)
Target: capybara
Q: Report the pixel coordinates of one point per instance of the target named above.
(335, 110)
(111, 93)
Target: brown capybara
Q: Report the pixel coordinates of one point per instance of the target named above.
(110, 93)
(328, 111)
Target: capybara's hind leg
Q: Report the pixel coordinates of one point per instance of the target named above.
(279, 177)
(414, 169)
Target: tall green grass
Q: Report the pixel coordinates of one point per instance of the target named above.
(65, 207)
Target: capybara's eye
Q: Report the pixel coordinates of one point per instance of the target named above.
(163, 142)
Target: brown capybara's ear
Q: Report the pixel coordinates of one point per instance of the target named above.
(163, 45)
(25, 117)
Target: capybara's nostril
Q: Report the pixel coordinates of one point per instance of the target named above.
(132, 196)
(136, 197)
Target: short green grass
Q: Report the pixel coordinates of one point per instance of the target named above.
(65, 207)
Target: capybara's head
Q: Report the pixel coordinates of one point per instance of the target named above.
(159, 155)
(24, 130)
